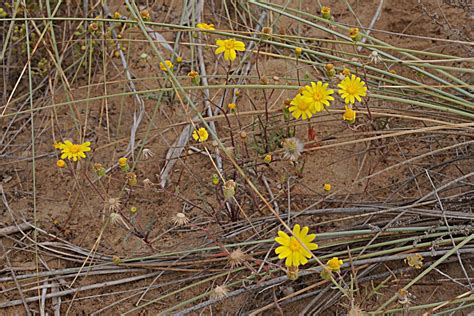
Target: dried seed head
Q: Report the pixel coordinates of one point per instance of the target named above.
(114, 204)
(229, 189)
(237, 257)
(292, 148)
(147, 153)
(148, 184)
(114, 218)
(355, 311)
(219, 292)
(180, 219)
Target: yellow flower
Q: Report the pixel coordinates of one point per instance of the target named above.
(74, 151)
(346, 72)
(205, 26)
(200, 135)
(228, 47)
(292, 250)
(145, 14)
(352, 88)
(232, 106)
(327, 187)
(193, 74)
(298, 51)
(122, 161)
(354, 34)
(334, 264)
(318, 96)
(179, 59)
(60, 163)
(349, 115)
(267, 158)
(300, 107)
(326, 12)
(168, 65)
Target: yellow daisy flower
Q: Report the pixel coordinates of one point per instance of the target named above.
(352, 88)
(229, 48)
(168, 65)
(349, 115)
(318, 95)
(292, 250)
(300, 107)
(334, 264)
(327, 187)
(205, 26)
(200, 135)
(122, 161)
(74, 151)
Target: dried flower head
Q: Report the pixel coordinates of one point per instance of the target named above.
(116, 260)
(330, 70)
(180, 219)
(148, 184)
(292, 273)
(237, 257)
(99, 169)
(131, 179)
(414, 260)
(229, 189)
(215, 179)
(147, 153)
(114, 204)
(145, 14)
(115, 217)
(374, 57)
(292, 148)
(404, 297)
(219, 292)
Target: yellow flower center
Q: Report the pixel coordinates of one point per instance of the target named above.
(74, 149)
(229, 45)
(303, 106)
(202, 134)
(351, 89)
(294, 244)
(317, 96)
